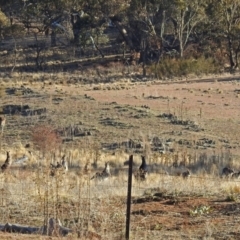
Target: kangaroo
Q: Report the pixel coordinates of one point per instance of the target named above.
(60, 166)
(186, 174)
(2, 123)
(141, 173)
(227, 172)
(105, 174)
(7, 162)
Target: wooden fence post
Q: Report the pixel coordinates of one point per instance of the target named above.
(129, 196)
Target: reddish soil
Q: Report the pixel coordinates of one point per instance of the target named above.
(173, 218)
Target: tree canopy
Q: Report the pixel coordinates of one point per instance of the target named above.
(149, 27)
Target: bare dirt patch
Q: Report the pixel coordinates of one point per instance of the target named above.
(185, 218)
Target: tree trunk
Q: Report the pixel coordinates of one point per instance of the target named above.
(230, 47)
(180, 35)
(76, 23)
(162, 30)
(236, 56)
(144, 54)
(180, 48)
(236, 59)
(76, 36)
(53, 38)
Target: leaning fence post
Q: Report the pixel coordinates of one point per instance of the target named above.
(129, 195)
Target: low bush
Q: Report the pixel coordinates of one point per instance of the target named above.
(45, 138)
(183, 67)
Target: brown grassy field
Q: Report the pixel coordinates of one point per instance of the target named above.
(177, 125)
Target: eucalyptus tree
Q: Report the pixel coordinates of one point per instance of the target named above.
(87, 23)
(45, 16)
(34, 15)
(224, 22)
(186, 16)
(141, 24)
(146, 24)
(10, 13)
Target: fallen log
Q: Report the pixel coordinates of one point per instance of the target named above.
(54, 228)
(17, 228)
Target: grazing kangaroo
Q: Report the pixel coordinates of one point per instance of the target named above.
(141, 173)
(186, 174)
(2, 123)
(7, 162)
(87, 169)
(227, 172)
(60, 166)
(64, 163)
(54, 169)
(105, 174)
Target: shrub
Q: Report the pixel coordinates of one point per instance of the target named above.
(183, 67)
(45, 138)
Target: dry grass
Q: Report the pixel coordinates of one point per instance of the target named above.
(105, 117)
(100, 206)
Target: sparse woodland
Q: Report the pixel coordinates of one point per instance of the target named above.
(87, 84)
(168, 38)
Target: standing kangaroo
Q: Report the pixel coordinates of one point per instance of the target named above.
(105, 174)
(2, 123)
(7, 163)
(141, 173)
